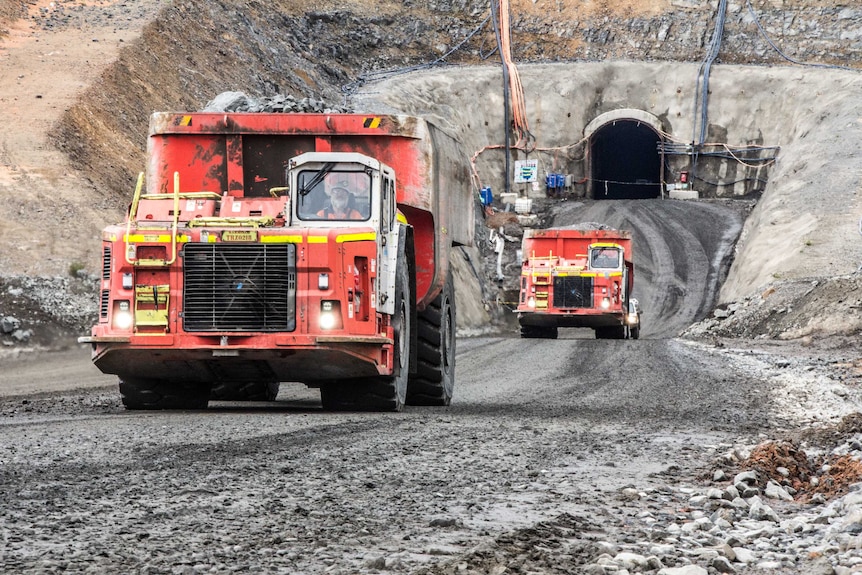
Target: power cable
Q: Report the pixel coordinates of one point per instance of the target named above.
(496, 22)
(703, 73)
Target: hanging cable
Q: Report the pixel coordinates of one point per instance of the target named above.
(520, 125)
(703, 74)
(495, 19)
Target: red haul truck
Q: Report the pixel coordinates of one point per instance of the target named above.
(578, 278)
(267, 248)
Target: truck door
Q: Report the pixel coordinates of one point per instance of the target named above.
(388, 245)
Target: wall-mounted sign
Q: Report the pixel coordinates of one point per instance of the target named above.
(526, 171)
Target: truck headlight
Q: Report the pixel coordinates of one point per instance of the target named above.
(606, 303)
(531, 302)
(330, 315)
(632, 318)
(123, 318)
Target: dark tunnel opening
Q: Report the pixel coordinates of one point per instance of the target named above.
(625, 161)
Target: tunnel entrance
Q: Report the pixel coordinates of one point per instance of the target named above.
(624, 158)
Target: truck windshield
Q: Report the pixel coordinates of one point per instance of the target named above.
(605, 258)
(337, 195)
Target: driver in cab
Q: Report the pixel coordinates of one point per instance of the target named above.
(339, 208)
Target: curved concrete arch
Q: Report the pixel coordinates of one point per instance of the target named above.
(624, 159)
(623, 114)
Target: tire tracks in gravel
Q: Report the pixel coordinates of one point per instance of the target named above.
(680, 249)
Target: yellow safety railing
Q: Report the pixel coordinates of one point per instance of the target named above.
(253, 221)
(133, 212)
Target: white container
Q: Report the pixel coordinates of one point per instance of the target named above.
(523, 205)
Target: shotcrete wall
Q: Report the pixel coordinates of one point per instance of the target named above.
(808, 112)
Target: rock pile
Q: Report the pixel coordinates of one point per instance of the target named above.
(280, 103)
(789, 309)
(737, 526)
(47, 311)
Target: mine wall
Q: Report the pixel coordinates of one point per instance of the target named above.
(804, 117)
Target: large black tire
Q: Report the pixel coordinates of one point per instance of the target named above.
(156, 394)
(434, 380)
(612, 332)
(535, 331)
(384, 393)
(245, 391)
(635, 331)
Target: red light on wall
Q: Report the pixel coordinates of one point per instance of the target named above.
(683, 177)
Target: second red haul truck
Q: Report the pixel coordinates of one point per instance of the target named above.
(578, 278)
(267, 248)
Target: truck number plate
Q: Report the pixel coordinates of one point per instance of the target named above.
(237, 236)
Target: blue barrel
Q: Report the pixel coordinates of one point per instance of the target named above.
(486, 196)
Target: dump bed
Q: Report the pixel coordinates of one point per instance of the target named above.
(246, 155)
(571, 244)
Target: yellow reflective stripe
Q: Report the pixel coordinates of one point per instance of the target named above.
(371, 122)
(355, 237)
(589, 274)
(281, 239)
(605, 245)
(151, 238)
(615, 274)
(318, 239)
(401, 217)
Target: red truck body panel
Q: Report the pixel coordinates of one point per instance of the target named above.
(246, 154)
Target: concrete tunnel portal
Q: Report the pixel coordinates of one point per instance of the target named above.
(624, 161)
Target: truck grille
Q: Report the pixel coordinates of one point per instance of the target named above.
(106, 262)
(230, 287)
(104, 303)
(573, 291)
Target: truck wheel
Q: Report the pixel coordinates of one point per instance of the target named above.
(157, 394)
(434, 379)
(245, 391)
(534, 331)
(606, 332)
(635, 331)
(384, 393)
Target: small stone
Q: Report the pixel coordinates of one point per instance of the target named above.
(630, 560)
(760, 511)
(731, 493)
(743, 555)
(747, 477)
(775, 491)
(9, 324)
(749, 492)
(722, 565)
(687, 570)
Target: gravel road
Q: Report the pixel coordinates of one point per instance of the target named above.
(548, 441)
